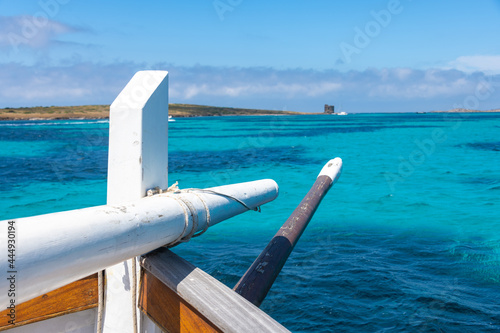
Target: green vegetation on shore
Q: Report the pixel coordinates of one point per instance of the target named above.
(102, 111)
(175, 110)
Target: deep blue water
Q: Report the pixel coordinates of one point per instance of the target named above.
(408, 240)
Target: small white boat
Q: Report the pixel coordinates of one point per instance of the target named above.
(341, 113)
(170, 119)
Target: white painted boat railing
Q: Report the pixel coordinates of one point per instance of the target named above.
(56, 249)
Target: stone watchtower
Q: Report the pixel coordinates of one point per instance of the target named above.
(329, 109)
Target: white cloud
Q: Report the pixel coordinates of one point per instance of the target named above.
(298, 89)
(245, 89)
(489, 64)
(426, 84)
(82, 83)
(36, 32)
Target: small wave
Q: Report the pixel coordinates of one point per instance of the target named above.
(419, 204)
(489, 146)
(482, 181)
(54, 123)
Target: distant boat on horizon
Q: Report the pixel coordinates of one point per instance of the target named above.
(170, 119)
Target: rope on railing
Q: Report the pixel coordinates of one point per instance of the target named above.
(188, 209)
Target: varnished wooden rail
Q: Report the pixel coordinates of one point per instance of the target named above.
(77, 296)
(180, 297)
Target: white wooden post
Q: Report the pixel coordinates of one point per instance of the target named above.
(138, 161)
(59, 248)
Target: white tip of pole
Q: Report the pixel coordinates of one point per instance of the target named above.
(332, 169)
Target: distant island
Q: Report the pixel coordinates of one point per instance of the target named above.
(102, 112)
(465, 111)
(175, 110)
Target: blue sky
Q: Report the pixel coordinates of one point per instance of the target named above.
(362, 56)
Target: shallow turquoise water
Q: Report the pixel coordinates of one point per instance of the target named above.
(407, 240)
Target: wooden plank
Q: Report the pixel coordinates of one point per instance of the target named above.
(217, 303)
(169, 311)
(77, 296)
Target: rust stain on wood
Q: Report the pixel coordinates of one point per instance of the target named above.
(77, 296)
(168, 310)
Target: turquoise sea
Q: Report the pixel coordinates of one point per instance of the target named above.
(408, 240)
